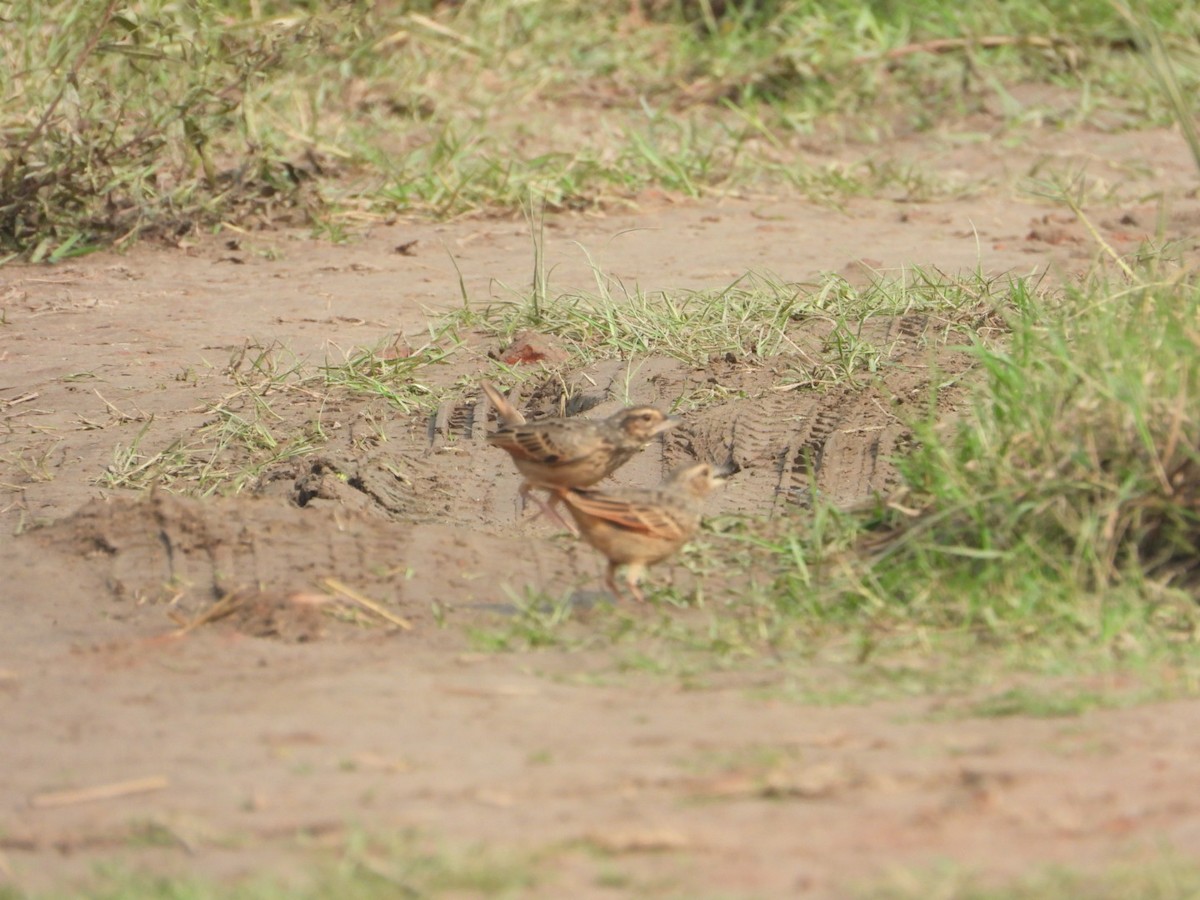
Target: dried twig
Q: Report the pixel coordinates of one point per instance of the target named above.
(122, 416)
(24, 398)
(99, 792)
(227, 605)
(338, 588)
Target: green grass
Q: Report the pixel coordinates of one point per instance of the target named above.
(170, 117)
(1070, 488)
(1040, 704)
(1051, 527)
(367, 867)
(1055, 519)
(376, 866)
(1164, 877)
(818, 327)
(1059, 510)
(274, 407)
(278, 409)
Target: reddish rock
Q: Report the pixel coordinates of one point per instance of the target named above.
(531, 347)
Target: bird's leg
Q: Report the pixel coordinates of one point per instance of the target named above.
(544, 508)
(632, 573)
(611, 581)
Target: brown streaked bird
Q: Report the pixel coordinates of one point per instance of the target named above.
(637, 528)
(571, 453)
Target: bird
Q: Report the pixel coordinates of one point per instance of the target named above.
(639, 527)
(556, 453)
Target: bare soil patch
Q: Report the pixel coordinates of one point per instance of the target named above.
(293, 720)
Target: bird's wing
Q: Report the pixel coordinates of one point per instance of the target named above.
(551, 442)
(645, 516)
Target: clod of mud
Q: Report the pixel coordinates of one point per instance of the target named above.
(530, 347)
(364, 484)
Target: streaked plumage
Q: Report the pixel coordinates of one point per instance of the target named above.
(571, 453)
(637, 528)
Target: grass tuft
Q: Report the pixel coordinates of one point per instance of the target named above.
(1079, 461)
(1062, 507)
(755, 317)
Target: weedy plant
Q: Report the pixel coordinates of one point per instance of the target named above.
(124, 119)
(1064, 504)
(165, 117)
(363, 866)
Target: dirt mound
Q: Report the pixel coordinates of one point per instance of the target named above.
(423, 516)
(268, 567)
(829, 417)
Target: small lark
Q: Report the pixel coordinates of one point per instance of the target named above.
(637, 528)
(571, 453)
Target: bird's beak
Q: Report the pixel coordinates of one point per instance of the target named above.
(723, 473)
(666, 425)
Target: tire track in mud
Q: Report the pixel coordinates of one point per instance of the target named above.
(415, 509)
(820, 421)
(171, 554)
(787, 440)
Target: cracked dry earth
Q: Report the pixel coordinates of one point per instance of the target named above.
(251, 743)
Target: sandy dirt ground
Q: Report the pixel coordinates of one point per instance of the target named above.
(257, 743)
